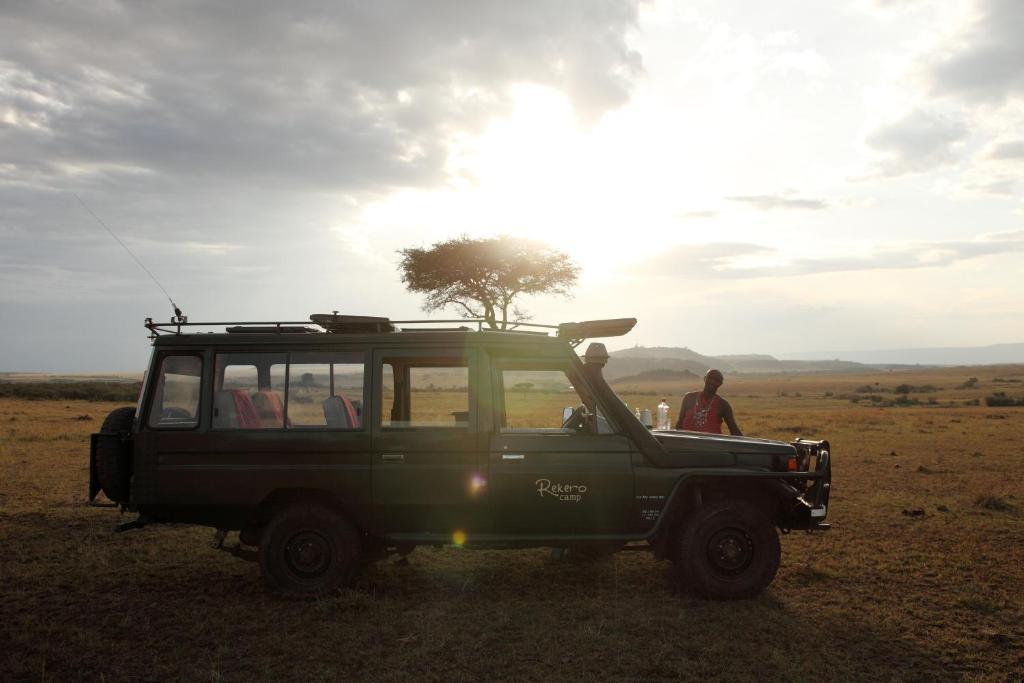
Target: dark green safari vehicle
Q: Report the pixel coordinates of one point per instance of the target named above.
(330, 442)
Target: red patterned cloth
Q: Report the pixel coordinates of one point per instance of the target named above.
(703, 416)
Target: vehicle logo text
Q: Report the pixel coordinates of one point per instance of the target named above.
(568, 493)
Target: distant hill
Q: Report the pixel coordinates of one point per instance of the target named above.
(633, 363)
(994, 354)
(676, 352)
(770, 364)
(654, 375)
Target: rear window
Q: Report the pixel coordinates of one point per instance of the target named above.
(176, 395)
(322, 389)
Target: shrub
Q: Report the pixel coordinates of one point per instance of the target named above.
(126, 392)
(997, 503)
(911, 389)
(1001, 399)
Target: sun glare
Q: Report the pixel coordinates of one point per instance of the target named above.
(594, 192)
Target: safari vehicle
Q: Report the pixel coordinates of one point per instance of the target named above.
(331, 442)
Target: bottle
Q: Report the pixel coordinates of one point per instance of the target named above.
(637, 413)
(645, 417)
(663, 415)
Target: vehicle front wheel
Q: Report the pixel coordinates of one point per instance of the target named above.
(727, 550)
(309, 551)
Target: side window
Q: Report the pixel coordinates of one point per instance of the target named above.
(538, 399)
(325, 389)
(418, 392)
(176, 395)
(248, 390)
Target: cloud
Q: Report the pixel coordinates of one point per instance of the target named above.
(192, 129)
(987, 63)
(343, 97)
(742, 260)
(995, 171)
(969, 86)
(769, 202)
(696, 215)
(698, 261)
(1012, 150)
(920, 141)
(998, 188)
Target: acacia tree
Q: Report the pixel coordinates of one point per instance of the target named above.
(481, 278)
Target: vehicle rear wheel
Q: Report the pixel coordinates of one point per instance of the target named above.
(727, 550)
(309, 551)
(113, 457)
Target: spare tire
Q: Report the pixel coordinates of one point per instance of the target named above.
(113, 456)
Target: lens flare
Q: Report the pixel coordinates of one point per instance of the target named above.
(477, 484)
(459, 538)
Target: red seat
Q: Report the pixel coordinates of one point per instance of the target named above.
(233, 409)
(339, 412)
(269, 408)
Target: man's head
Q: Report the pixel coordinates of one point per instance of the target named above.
(712, 380)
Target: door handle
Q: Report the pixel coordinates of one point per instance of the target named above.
(392, 457)
(513, 456)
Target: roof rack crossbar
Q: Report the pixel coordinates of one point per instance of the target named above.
(175, 327)
(574, 332)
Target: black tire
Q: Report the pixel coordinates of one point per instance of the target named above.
(726, 551)
(309, 551)
(113, 457)
(250, 535)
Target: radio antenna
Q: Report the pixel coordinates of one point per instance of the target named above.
(179, 316)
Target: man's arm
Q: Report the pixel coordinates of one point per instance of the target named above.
(730, 419)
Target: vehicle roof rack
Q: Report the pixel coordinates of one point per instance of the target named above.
(270, 329)
(333, 323)
(352, 324)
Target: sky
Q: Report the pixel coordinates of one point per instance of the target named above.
(779, 178)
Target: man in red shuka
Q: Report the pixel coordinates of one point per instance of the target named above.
(703, 411)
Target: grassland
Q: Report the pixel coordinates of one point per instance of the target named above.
(920, 579)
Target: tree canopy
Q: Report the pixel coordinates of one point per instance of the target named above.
(481, 278)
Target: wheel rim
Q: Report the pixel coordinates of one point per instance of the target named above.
(730, 551)
(308, 554)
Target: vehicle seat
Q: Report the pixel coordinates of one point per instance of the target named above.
(340, 413)
(233, 409)
(269, 408)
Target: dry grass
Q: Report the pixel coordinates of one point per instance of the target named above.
(882, 596)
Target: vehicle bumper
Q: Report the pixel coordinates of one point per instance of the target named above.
(815, 459)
